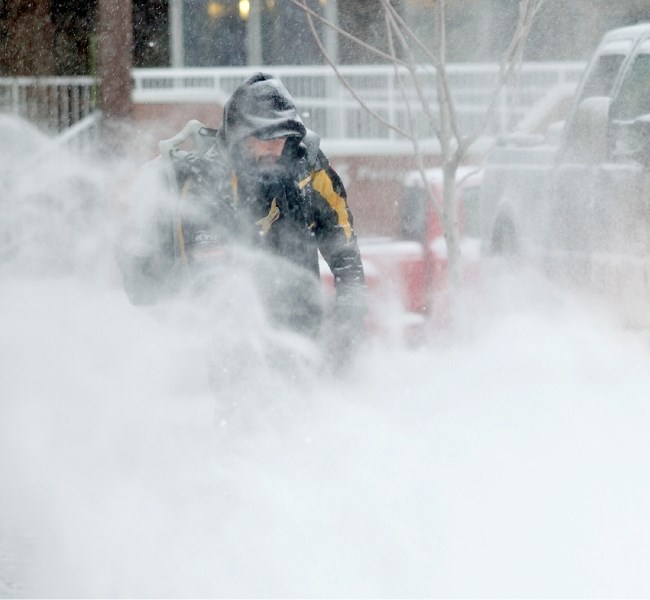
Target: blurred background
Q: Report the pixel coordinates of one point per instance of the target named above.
(59, 37)
(76, 67)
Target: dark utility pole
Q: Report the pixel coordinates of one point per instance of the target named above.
(115, 49)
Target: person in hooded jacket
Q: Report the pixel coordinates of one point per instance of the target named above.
(264, 184)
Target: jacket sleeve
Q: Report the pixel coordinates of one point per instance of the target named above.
(337, 242)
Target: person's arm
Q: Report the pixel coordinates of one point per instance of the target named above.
(337, 242)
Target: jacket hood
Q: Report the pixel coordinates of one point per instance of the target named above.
(260, 106)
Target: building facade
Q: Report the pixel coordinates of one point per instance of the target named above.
(60, 37)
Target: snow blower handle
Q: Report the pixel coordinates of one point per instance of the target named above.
(202, 139)
(200, 135)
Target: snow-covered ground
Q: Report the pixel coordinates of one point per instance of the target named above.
(510, 461)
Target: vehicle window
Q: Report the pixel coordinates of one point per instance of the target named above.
(633, 98)
(600, 80)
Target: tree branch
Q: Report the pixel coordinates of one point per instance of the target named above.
(412, 68)
(438, 65)
(311, 14)
(510, 61)
(390, 23)
(343, 80)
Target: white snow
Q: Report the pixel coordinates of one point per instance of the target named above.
(510, 460)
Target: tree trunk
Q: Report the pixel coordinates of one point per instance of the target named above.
(27, 43)
(115, 49)
(451, 229)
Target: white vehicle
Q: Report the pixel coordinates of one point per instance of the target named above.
(581, 206)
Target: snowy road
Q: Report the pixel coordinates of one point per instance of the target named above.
(512, 461)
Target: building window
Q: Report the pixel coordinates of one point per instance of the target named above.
(215, 32)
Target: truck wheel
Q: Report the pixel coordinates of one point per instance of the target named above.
(504, 238)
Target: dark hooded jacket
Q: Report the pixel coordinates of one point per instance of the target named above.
(292, 209)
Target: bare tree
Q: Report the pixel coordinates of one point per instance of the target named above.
(402, 44)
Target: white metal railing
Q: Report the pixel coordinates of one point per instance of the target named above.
(330, 109)
(84, 134)
(53, 103)
(57, 104)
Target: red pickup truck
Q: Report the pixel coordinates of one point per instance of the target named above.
(407, 275)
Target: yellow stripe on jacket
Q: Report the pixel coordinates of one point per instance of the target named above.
(323, 185)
